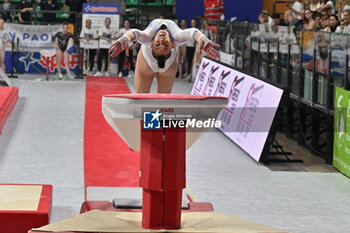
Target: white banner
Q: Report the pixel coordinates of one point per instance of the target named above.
(251, 107)
(89, 44)
(32, 38)
(105, 44)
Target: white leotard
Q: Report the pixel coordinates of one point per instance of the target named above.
(177, 35)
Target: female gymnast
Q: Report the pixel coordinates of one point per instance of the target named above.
(159, 51)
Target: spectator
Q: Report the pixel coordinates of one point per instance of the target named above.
(206, 31)
(4, 39)
(313, 5)
(274, 35)
(341, 27)
(325, 23)
(24, 15)
(309, 23)
(89, 34)
(182, 55)
(105, 33)
(340, 6)
(265, 18)
(288, 37)
(306, 4)
(213, 9)
(49, 5)
(60, 41)
(346, 17)
(121, 56)
(333, 22)
(276, 19)
(317, 18)
(288, 18)
(75, 6)
(296, 7)
(5, 7)
(190, 50)
(299, 24)
(325, 5)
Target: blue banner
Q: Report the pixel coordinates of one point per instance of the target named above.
(34, 62)
(96, 8)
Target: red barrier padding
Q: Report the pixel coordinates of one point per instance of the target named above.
(8, 100)
(21, 221)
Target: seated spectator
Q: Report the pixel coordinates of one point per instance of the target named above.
(333, 22)
(309, 22)
(5, 7)
(325, 23)
(346, 17)
(276, 19)
(313, 5)
(26, 6)
(325, 5)
(296, 7)
(317, 18)
(289, 19)
(340, 6)
(341, 27)
(75, 6)
(299, 25)
(265, 18)
(49, 5)
(306, 4)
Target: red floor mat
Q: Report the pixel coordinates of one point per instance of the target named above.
(108, 162)
(8, 100)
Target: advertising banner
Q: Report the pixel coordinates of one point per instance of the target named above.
(37, 63)
(99, 12)
(341, 148)
(32, 38)
(251, 107)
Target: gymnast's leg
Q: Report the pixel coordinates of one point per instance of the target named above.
(166, 80)
(143, 75)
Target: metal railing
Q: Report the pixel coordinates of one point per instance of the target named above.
(307, 65)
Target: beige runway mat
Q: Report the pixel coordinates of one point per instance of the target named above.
(110, 221)
(19, 197)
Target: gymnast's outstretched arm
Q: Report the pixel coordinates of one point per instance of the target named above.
(131, 35)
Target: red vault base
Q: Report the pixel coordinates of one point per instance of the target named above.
(23, 207)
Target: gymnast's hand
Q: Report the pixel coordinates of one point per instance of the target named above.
(121, 44)
(209, 47)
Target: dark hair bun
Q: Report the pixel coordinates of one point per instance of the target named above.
(161, 64)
